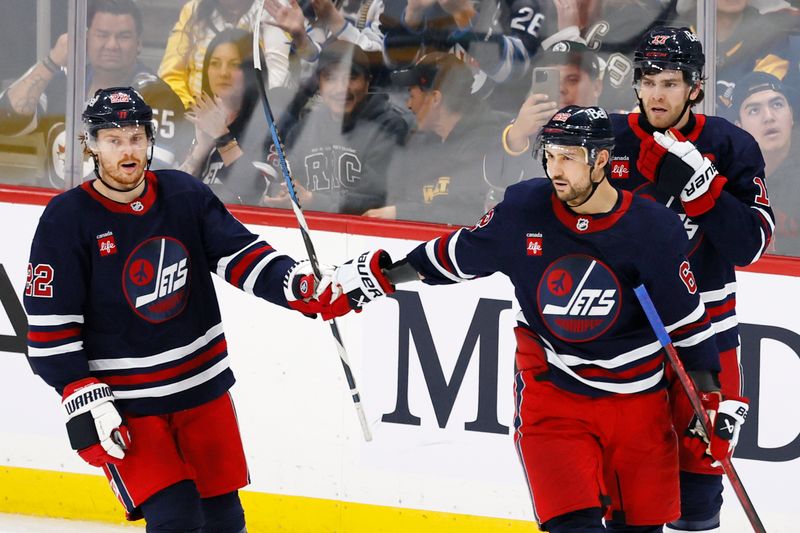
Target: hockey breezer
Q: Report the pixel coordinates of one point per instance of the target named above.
(301, 221)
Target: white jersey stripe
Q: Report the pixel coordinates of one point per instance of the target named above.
(696, 338)
(174, 388)
(222, 264)
(770, 220)
(614, 362)
(694, 316)
(451, 249)
(726, 324)
(719, 294)
(53, 320)
(159, 358)
(250, 282)
(430, 249)
(55, 350)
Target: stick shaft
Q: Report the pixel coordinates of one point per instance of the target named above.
(312, 256)
(697, 404)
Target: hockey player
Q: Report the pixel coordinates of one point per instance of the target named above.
(711, 173)
(125, 325)
(593, 426)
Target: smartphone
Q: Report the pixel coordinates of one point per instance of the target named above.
(547, 80)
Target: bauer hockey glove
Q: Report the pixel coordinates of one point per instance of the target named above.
(305, 293)
(95, 427)
(685, 173)
(362, 279)
(726, 417)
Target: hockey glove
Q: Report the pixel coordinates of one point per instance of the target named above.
(726, 417)
(305, 293)
(95, 427)
(362, 279)
(685, 173)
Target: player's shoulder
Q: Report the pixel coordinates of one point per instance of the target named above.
(176, 181)
(719, 128)
(63, 206)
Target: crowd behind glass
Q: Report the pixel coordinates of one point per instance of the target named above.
(395, 109)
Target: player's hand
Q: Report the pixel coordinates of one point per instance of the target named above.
(312, 296)
(362, 279)
(726, 418)
(686, 173)
(95, 427)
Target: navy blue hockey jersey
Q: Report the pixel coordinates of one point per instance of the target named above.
(735, 232)
(123, 292)
(574, 275)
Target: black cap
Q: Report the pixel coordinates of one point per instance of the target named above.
(343, 52)
(437, 70)
(573, 53)
(756, 82)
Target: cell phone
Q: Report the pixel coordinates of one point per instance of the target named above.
(547, 80)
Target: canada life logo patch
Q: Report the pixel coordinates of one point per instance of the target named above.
(620, 167)
(156, 279)
(578, 298)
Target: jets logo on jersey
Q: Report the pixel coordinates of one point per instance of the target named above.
(578, 298)
(484, 221)
(156, 279)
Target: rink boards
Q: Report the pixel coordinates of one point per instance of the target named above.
(435, 369)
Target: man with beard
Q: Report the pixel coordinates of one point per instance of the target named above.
(125, 325)
(592, 428)
(36, 102)
(340, 150)
(711, 174)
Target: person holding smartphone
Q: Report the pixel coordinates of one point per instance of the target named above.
(568, 74)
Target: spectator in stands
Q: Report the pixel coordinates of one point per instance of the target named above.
(199, 21)
(765, 110)
(36, 102)
(581, 84)
(439, 176)
(497, 39)
(319, 23)
(230, 130)
(339, 151)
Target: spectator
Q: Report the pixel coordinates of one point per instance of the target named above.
(497, 39)
(199, 21)
(440, 175)
(612, 28)
(765, 109)
(339, 151)
(230, 131)
(36, 101)
(321, 22)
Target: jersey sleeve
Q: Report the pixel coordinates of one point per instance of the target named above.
(464, 254)
(54, 300)
(667, 275)
(741, 223)
(241, 257)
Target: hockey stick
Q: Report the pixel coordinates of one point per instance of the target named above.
(697, 405)
(301, 221)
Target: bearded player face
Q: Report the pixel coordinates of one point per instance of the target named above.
(122, 155)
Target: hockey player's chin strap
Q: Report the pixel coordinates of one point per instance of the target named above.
(595, 185)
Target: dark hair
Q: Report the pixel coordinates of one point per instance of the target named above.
(116, 7)
(243, 41)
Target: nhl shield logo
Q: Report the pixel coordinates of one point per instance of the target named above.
(156, 279)
(137, 206)
(582, 224)
(578, 298)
